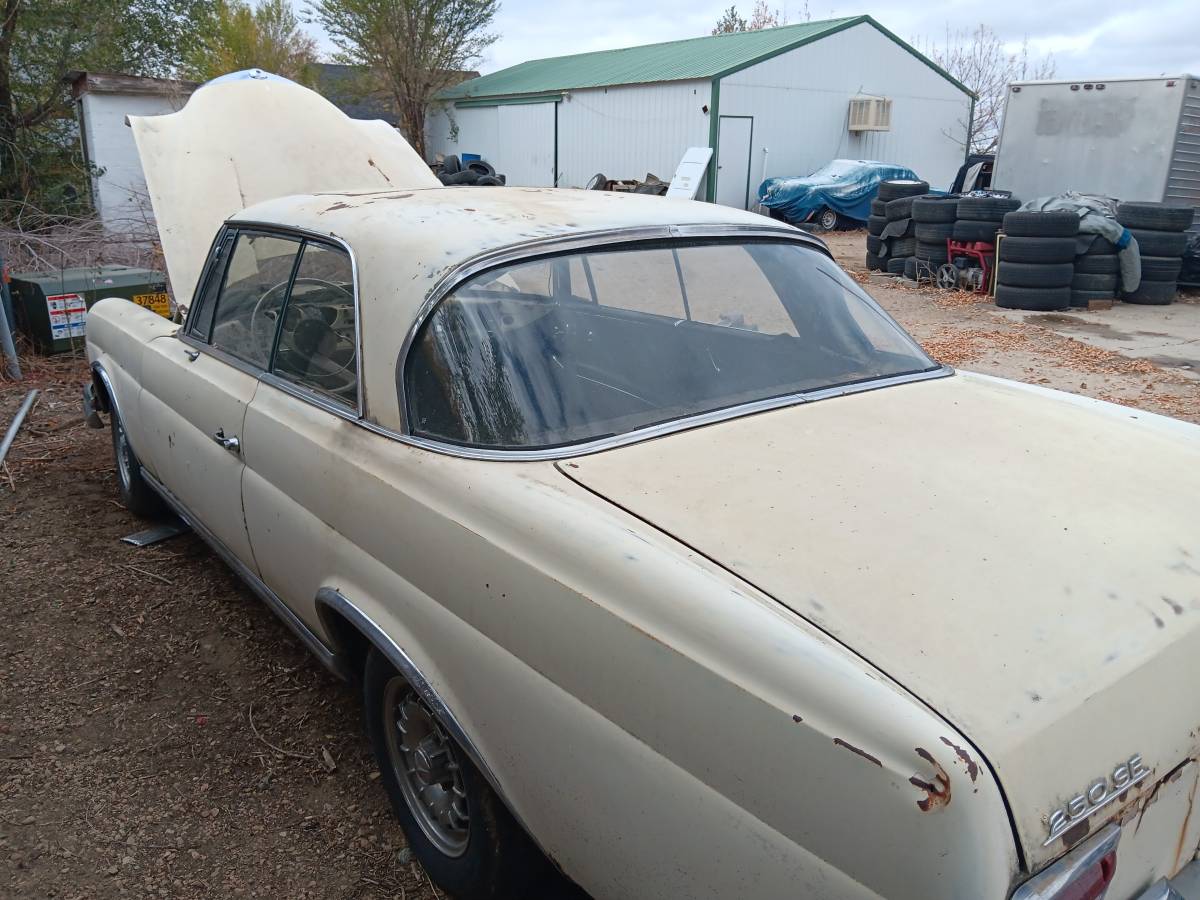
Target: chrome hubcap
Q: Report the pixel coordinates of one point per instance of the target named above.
(122, 453)
(426, 765)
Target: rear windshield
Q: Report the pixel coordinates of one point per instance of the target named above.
(575, 347)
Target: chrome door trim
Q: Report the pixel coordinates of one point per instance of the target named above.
(307, 636)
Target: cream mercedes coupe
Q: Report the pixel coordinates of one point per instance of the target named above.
(671, 567)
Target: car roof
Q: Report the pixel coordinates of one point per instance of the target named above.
(408, 243)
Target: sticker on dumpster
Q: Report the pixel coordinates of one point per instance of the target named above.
(67, 315)
(158, 302)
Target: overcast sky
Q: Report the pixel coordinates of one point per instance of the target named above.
(1088, 38)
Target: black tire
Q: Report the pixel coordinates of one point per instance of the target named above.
(1035, 275)
(1098, 264)
(910, 268)
(1156, 216)
(597, 182)
(934, 234)
(900, 208)
(1161, 268)
(465, 176)
(876, 224)
(879, 208)
(896, 264)
(1056, 223)
(1100, 246)
(935, 210)
(1037, 249)
(1159, 243)
(489, 181)
(1082, 298)
(1152, 293)
(1044, 299)
(902, 247)
(890, 190)
(137, 495)
(874, 244)
(970, 230)
(499, 860)
(986, 209)
(934, 253)
(482, 167)
(1086, 281)
(451, 165)
(874, 263)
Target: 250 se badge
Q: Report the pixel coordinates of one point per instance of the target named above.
(1099, 793)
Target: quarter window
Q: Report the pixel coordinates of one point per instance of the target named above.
(252, 295)
(317, 341)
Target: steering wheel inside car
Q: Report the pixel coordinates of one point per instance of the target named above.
(264, 319)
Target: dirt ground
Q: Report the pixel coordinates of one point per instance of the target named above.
(161, 734)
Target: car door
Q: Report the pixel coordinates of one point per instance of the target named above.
(198, 384)
(296, 445)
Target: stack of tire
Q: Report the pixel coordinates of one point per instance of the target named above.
(891, 205)
(979, 218)
(935, 218)
(1096, 273)
(1036, 260)
(1159, 230)
(476, 173)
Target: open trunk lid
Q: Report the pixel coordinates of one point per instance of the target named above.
(249, 137)
(1026, 563)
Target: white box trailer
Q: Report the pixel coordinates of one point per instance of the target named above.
(1128, 138)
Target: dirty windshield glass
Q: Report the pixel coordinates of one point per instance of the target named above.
(576, 347)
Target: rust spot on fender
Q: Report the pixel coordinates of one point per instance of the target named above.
(1075, 834)
(972, 766)
(339, 205)
(937, 792)
(371, 163)
(863, 753)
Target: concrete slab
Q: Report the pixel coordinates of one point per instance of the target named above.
(1168, 336)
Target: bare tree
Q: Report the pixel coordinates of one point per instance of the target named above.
(416, 47)
(762, 16)
(984, 63)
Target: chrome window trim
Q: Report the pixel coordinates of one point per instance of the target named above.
(298, 626)
(358, 410)
(1049, 882)
(537, 249)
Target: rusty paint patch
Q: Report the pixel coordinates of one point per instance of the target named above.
(336, 206)
(371, 163)
(863, 753)
(937, 792)
(1175, 607)
(1075, 834)
(797, 719)
(1186, 820)
(972, 766)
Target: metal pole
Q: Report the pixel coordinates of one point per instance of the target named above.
(16, 424)
(6, 339)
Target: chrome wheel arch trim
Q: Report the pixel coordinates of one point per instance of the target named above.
(114, 403)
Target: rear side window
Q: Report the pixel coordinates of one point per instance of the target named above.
(252, 295)
(574, 348)
(200, 317)
(317, 346)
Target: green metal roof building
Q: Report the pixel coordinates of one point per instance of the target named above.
(781, 101)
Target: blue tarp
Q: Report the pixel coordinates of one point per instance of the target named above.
(847, 186)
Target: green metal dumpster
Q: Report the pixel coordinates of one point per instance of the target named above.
(51, 307)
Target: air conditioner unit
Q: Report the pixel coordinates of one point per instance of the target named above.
(870, 113)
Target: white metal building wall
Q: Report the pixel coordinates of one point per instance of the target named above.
(628, 131)
(518, 139)
(799, 101)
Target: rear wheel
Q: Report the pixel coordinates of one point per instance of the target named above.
(455, 824)
(137, 495)
(827, 219)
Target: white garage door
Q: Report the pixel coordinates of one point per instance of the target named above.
(525, 144)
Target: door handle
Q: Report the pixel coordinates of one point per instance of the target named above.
(232, 444)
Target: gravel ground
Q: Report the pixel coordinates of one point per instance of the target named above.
(161, 734)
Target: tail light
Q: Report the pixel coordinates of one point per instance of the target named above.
(1083, 874)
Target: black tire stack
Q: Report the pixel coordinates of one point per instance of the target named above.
(1097, 271)
(895, 201)
(934, 218)
(1036, 260)
(1159, 230)
(979, 218)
